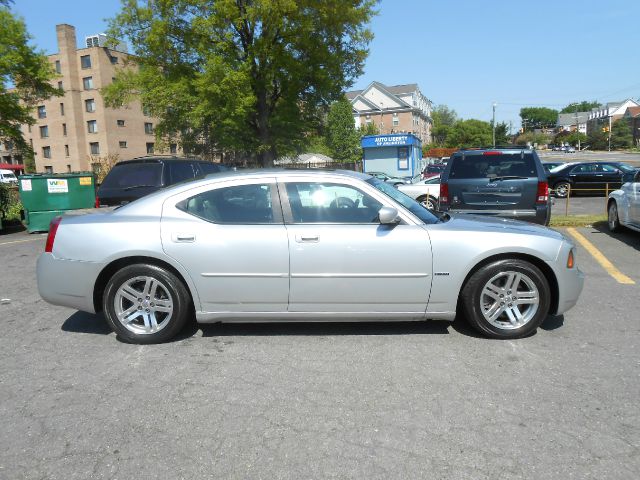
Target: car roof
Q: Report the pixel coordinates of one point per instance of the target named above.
(156, 159)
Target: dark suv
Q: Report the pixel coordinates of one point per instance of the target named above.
(505, 182)
(133, 179)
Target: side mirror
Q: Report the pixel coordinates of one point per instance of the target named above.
(388, 216)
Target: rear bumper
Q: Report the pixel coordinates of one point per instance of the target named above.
(540, 215)
(68, 283)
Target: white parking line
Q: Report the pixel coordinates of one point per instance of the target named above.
(21, 241)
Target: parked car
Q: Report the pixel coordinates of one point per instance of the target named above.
(7, 176)
(426, 192)
(551, 165)
(505, 182)
(590, 178)
(132, 179)
(568, 149)
(285, 245)
(623, 206)
(390, 179)
(433, 170)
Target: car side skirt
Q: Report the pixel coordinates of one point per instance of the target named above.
(260, 317)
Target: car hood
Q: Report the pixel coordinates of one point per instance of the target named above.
(479, 223)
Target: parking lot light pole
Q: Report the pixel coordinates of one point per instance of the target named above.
(493, 125)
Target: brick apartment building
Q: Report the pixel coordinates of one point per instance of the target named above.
(393, 109)
(75, 131)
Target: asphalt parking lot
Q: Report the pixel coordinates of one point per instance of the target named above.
(375, 400)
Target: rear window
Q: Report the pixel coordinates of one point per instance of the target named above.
(134, 174)
(489, 166)
(208, 167)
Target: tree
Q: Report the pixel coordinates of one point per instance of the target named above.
(24, 79)
(621, 134)
(369, 128)
(538, 117)
(533, 139)
(342, 137)
(443, 119)
(583, 106)
(470, 133)
(597, 139)
(248, 75)
(570, 138)
(503, 136)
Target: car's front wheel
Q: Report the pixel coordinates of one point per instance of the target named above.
(506, 299)
(145, 304)
(612, 217)
(562, 189)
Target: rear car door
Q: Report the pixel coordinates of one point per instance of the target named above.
(342, 258)
(610, 176)
(231, 238)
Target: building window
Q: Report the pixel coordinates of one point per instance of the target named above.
(66, 150)
(46, 152)
(44, 131)
(123, 144)
(90, 105)
(62, 109)
(92, 126)
(42, 111)
(85, 61)
(173, 148)
(64, 129)
(145, 111)
(94, 147)
(68, 168)
(148, 128)
(149, 147)
(58, 67)
(87, 82)
(114, 60)
(120, 123)
(60, 86)
(396, 120)
(48, 169)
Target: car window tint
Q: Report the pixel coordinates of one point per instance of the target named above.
(607, 169)
(181, 171)
(330, 203)
(584, 169)
(483, 166)
(239, 204)
(208, 167)
(134, 174)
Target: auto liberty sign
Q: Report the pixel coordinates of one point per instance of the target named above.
(389, 141)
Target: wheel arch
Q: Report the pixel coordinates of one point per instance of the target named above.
(546, 270)
(108, 271)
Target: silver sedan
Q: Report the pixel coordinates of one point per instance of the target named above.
(275, 245)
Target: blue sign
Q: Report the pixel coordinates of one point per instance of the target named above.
(396, 140)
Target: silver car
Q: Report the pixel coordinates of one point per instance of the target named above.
(275, 245)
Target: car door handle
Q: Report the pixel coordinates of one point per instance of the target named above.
(183, 237)
(305, 238)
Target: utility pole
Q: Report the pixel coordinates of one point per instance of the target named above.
(577, 126)
(609, 131)
(493, 122)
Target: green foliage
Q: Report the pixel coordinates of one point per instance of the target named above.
(597, 139)
(317, 144)
(443, 119)
(621, 134)
(469, 133)
(10, 205)
(368, 129)
(503, 136)
(583, 106)
(532, 138)
(342, 137)
(240, 75)
(538, 117)
(570, 137)
(24, 79)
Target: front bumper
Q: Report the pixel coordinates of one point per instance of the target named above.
(68, 283)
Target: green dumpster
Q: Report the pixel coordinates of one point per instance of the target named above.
(45, 196)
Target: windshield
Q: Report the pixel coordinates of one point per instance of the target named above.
(626, 168)
(487, 166)
(407, 202)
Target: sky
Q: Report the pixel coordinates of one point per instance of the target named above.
(466, 54)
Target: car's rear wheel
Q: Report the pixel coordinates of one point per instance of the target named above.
(428, 201)
(145, 304)
(506, 299)
(562, 189)
(612, 217)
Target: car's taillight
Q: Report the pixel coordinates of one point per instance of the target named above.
(97, 202)
(543, 193)
(444, 194)
(53, 229)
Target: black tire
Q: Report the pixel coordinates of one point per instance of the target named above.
(475, 298)
(428, 202)
(613, 220)
(167, 305)
(562, 189)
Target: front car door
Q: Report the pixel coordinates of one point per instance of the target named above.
(342, 260)
(231, 238)
(610, 176)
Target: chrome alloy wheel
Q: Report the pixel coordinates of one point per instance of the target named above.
(613, 216)
(509, 300)
(143, 305)
(428, 203)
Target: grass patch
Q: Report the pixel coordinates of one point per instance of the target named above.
(576, 220)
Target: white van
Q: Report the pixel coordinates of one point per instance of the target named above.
(7, 176)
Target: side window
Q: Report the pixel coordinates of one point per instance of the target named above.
(180, 171)
(330, 203)
(607, 169)
(581, 169)
(239, 204)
